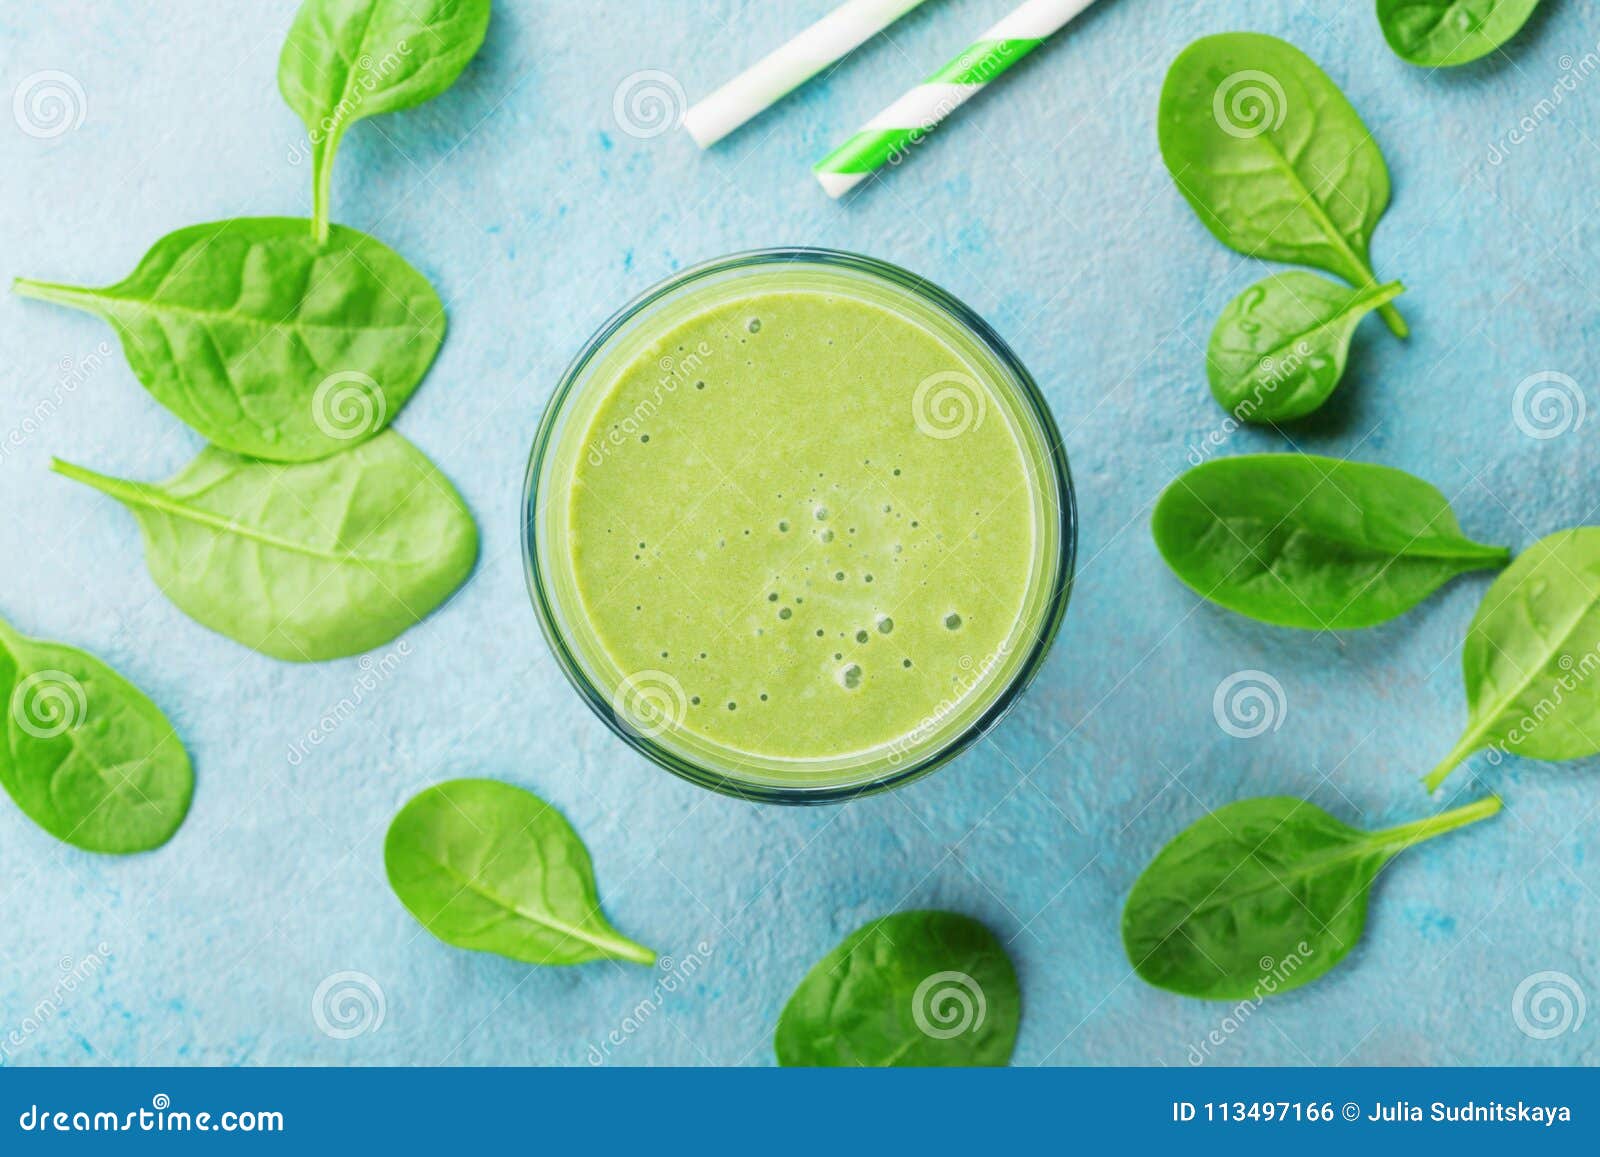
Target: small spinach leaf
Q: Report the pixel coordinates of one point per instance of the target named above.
(1299, 540)
(488, 866)
(915, 988)
(314, 560)
(265, 342)
(1273, 158)
(1280, 347)
(86, 755)
(1531, 655)
(1440, 33)
(348, 59)
(1262, 896)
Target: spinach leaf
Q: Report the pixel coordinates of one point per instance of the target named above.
(348, 59)
(1299, 540)
(1439, 33)
(1262, 896)
(86, 755)
(1280, 347)
(1273, 158)
(915, 988)
(265, 342)
(1531, 655)
(488, 866)
(314, 560)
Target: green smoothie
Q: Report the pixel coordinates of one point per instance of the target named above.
(805, 526)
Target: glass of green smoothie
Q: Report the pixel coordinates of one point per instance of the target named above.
(798, 525)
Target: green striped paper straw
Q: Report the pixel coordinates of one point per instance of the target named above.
(893, 132)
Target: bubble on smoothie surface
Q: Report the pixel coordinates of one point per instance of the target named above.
(953, 621)
(862, 637)
(885, 624)
(753, 325)
(785, 613)
(850, 677)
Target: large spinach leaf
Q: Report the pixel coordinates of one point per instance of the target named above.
(1318, 543)
(1280, 347)
(348, 59)
(86, 755)
(314, 560)
(1262, 896)
(915, 988)
(266, 342)
(1532, 656)
(488, 866)
(1439, 33)
(1273, 157)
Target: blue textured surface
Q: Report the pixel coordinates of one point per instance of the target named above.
(1046, 207)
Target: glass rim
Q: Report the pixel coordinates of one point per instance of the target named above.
(1026, 391)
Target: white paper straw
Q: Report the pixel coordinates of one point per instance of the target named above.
(779, 73)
